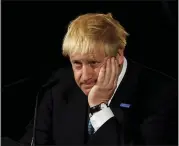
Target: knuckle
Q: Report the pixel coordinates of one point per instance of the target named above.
(115, 85)
(109, 87)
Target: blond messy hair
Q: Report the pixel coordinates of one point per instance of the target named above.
(93, 31)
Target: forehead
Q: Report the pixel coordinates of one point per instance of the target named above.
(96, 55)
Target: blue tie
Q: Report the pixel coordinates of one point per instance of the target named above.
(90, 128)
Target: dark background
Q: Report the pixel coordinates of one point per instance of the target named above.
(32, 34)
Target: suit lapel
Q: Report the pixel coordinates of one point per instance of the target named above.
(74, 118)
(128, 87)
(78, 107)
(125, 101)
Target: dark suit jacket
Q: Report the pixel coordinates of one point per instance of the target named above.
(151, 119)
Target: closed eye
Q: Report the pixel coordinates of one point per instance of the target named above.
(93, 62)
(76, 62)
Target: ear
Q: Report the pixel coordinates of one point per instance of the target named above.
(120, 56)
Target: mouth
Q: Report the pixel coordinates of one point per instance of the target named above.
(88, 85)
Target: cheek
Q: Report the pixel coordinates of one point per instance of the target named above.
(77, 76)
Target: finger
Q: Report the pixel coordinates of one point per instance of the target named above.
(117, 72)
(102, 71)
(105, 61)
(117, 61)
(117, 58)
(101, 75)
(113, 72)
(107, 73)
(117, 68)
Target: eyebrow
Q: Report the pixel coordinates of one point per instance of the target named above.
(86, 60)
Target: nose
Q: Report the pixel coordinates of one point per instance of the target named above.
(87, 73)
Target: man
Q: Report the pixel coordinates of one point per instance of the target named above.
(105, 99)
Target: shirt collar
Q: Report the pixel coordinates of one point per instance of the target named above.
(123, 71)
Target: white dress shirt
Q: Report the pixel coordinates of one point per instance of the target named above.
(99, 118)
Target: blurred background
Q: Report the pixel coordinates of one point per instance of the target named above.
(32, 34)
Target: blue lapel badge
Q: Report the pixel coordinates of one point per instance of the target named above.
(125, 105)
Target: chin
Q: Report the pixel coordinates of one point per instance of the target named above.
(86, 91)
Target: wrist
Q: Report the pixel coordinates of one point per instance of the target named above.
(92, 104)
(97, 108)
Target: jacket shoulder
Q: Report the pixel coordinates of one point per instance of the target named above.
(150, 75)
(61, 75)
